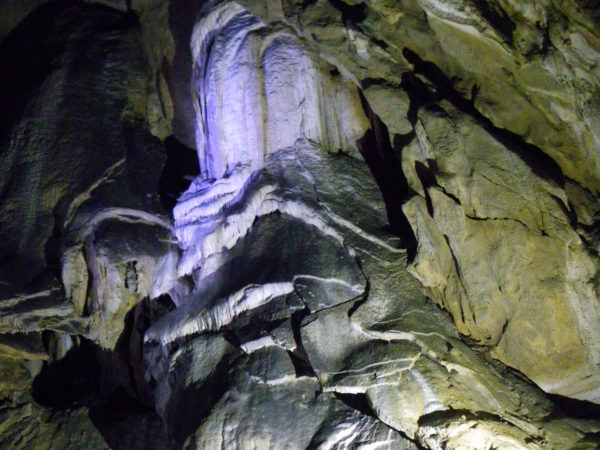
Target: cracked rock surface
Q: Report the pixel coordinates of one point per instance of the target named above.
(488, 108)
(299, 224)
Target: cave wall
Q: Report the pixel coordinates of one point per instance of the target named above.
(389, 238)
(492, 114)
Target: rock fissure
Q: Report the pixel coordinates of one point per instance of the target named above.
(496, 218)
(326, 262)
(539, 162)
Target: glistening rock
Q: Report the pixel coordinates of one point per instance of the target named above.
(380, 210)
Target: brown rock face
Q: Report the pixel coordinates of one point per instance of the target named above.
(383, 231)
(491, 107)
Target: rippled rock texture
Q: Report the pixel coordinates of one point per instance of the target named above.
(492, 119)
(380, 232)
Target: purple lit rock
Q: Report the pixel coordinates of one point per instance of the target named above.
(259, 90)
(355, 215)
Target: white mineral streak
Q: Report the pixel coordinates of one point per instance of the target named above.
(257, 344)
(369, 367)
(362, 233)
(20, 298)
(204, 199)
(216, 317)
(85, 195)
(282, 381)
(357, 289)
(202, 236)
(199, 241)
(430, 398)
(310, 216)
(124, 215)
(387, 444)
(338, 439)
(397, 335)
(450, 10)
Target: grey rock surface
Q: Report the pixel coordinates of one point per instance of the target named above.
(489, 107)
(391, 240)
(83, 232)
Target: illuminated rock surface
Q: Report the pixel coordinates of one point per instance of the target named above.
(388, 208)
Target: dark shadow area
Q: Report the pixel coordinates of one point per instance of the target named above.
(385, 165)
(301, 364)
(570, 407)
(70, 382)
(131, 343)
(590, 234)
(540, 163)
(52, 249)
(182, 16)
(351, 14)
(126, 424)
(358, 402)
(252, 327)
(420, 96)
(262, 320)
(591, 9)
(110, 383)
(563, 407)
(427, 179)
(299, 356)
(362, 299)
(443, 417)
(32, 49)
(29, 62)
(179, 170)
(493, 13)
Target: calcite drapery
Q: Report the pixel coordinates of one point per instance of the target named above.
(292, 299)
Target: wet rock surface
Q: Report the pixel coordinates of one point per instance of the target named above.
(384, 235)
(478, 130)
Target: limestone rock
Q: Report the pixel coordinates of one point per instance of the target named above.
(286, 94)
(23, 423)
(259, 407)
(481, 230)
(387, 345)
(79, 168)
(499, 112)
(396, 203)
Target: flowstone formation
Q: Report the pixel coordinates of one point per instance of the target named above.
(491, 110)
(319, 224)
